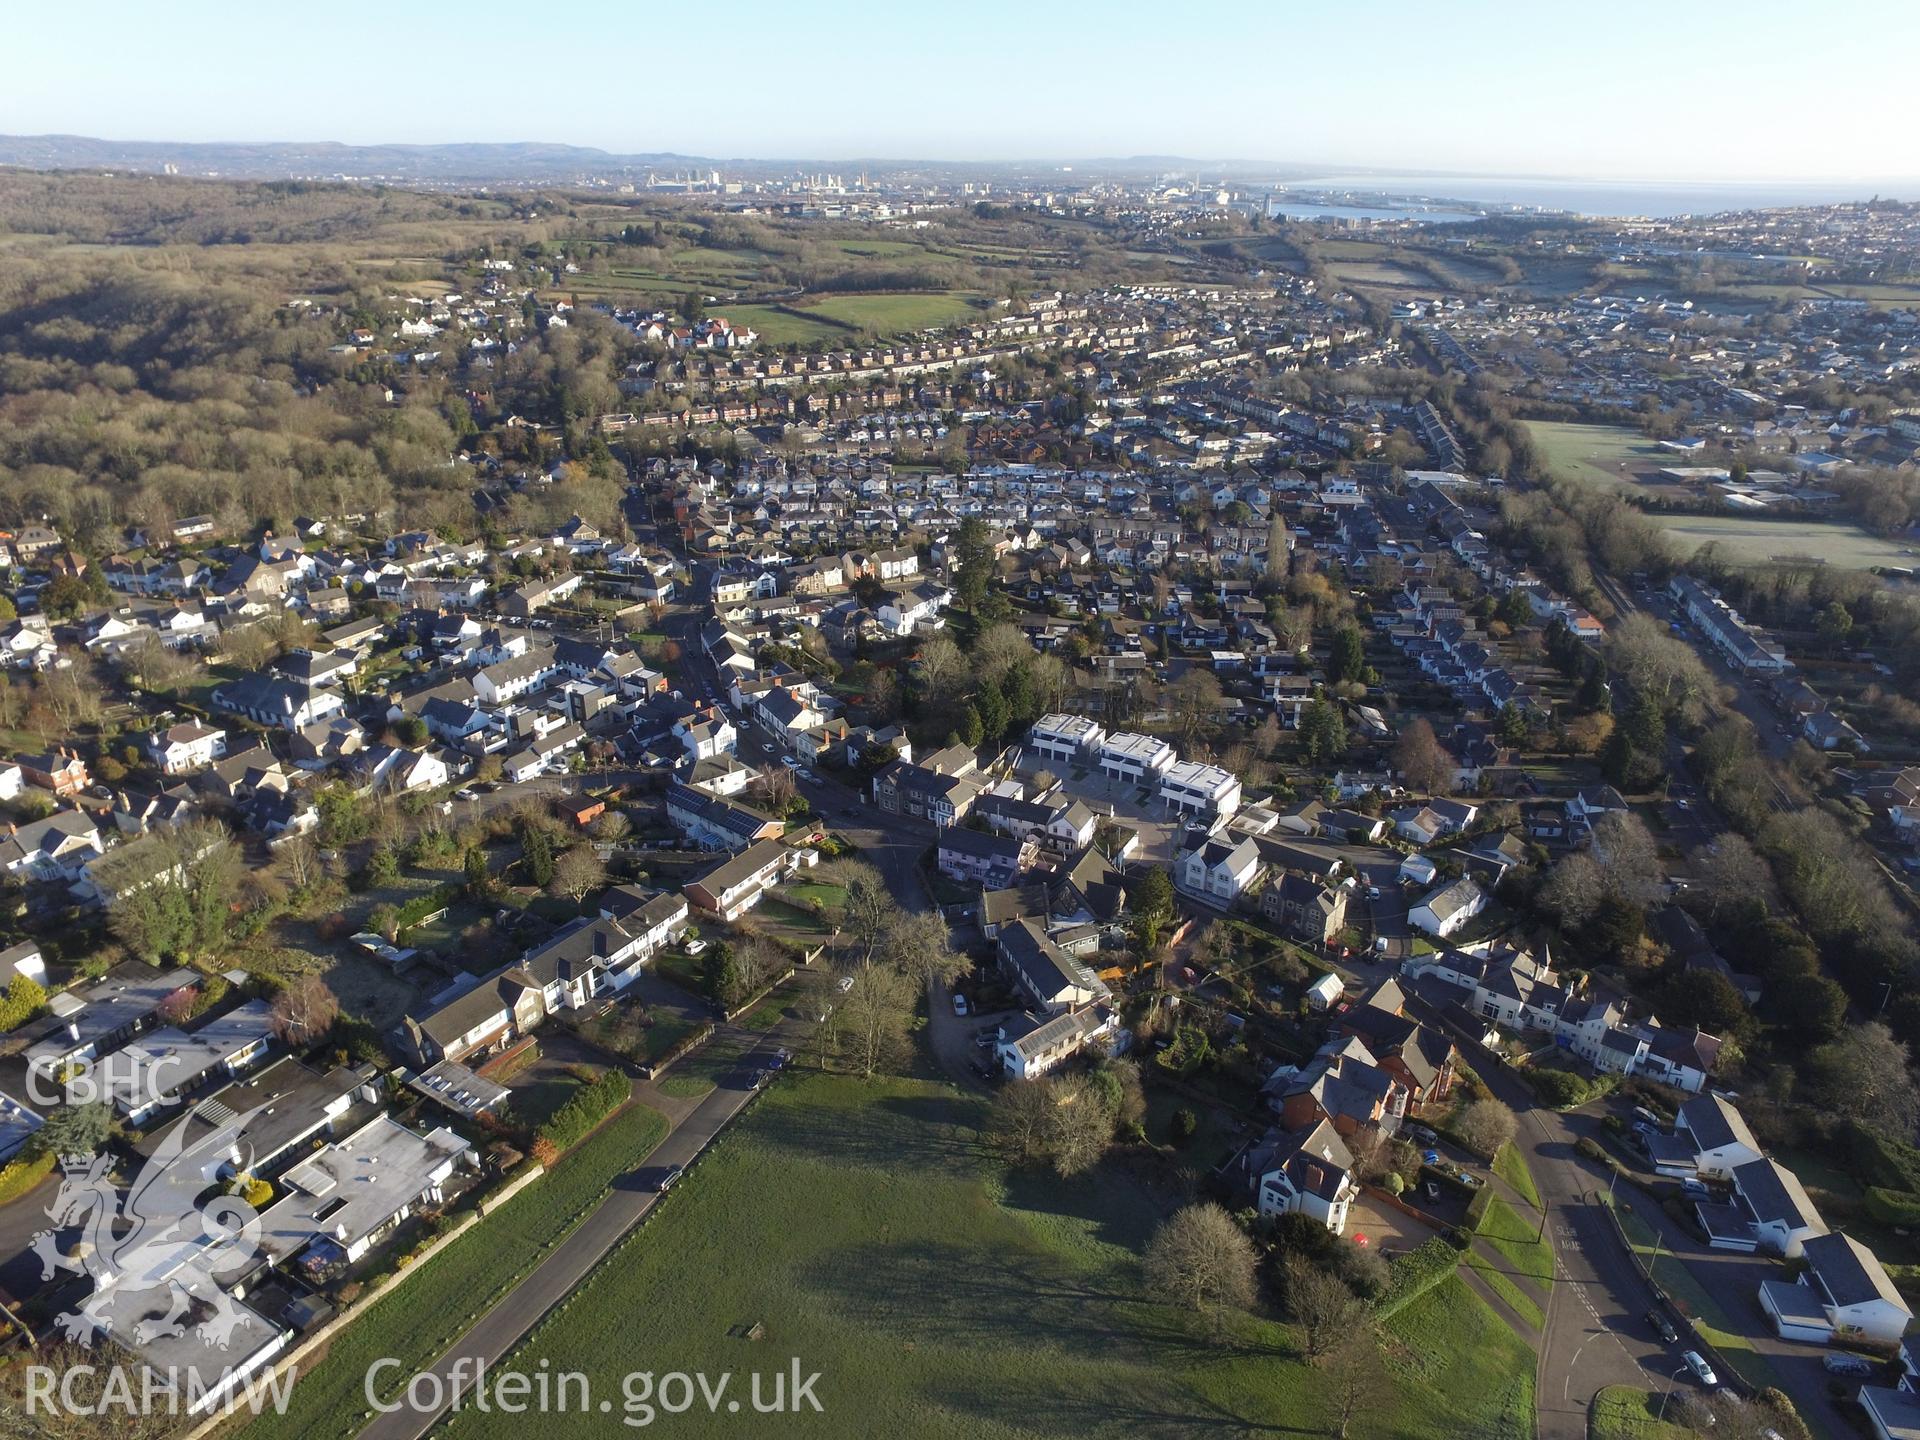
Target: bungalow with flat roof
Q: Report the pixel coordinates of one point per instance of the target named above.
(350, 1194)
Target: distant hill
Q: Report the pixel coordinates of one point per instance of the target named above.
(526, 162)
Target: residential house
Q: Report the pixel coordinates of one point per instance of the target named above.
(1445, 911)
(184, 748)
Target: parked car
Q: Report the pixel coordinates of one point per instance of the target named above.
(1422, 1135)
(466, 792)
(789, 762)
(1697, 1189)
(844, 983)
(1646, 1116)
(1662, 1327)
(694, 947)
(960, 1005)
(1703, 1372)
(1433, 1190)
(1839, 1362)
(670, 1179)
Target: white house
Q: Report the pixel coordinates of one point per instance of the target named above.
(1205, 790)
(1306, 1172)
(1848, 1295)
(1446, 911)
(1721, 1141)
(1219, 870)
(1131, 757)
(1066, 739)
(1031, 1046)
(184, 748)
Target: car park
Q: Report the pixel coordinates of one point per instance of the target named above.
(1703, 1372)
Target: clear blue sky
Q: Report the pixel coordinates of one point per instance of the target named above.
(1681, 89)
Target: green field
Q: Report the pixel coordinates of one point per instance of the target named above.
(1613, 454)
(864, 1229)
(417, 1321)
(780, 327)
(1845, 546)
(895, 314)
(1379, 272)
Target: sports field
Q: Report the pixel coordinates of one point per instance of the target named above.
(1613, 454)
(1845, 546)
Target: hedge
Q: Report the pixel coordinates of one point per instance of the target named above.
(1411, 1275)
(420, 906)
(1562, 1089)
(1893, 1207)
(576, 1119)
(21, 1175)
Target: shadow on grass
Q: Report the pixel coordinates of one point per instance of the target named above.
(1054, 1410)
(888, 1133)
(953, 1296)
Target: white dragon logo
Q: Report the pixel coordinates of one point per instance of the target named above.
(153, 1254)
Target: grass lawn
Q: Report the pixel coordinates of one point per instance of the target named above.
(1513, 1237)
(1744, 538)
(1613, 454)
(685, 1086)
(1475, 1374)
(1511, 1166)
(792, 917)
(1496, 1278)
(419, 1320)
(863, 1226)
(1621, 1413)
(815, 891)
(894, 314)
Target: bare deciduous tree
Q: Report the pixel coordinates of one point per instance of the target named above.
(1200, 1260)
(303, 1012)
(1322, 1305)
(578, 871)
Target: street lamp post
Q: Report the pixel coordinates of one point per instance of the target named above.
(1668, 1394)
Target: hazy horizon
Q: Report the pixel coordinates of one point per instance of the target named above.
(1699, 94)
